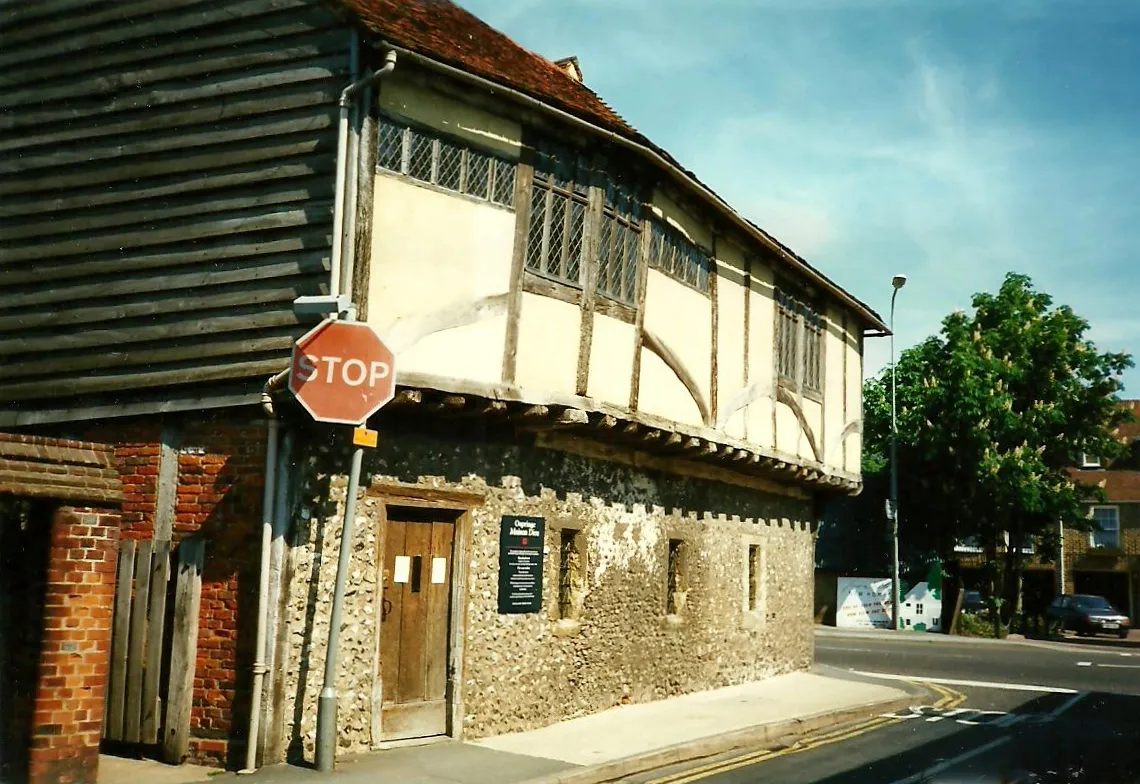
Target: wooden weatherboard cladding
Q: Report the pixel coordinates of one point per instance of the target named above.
(162, 205)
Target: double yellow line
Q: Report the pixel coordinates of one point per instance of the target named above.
(948, 700)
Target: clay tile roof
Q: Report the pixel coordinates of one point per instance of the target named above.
(1118, 485)
(443, 31)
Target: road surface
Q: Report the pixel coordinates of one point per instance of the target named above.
(985, 712)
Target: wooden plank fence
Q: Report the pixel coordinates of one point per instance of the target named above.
(154, 645)
(137, 638)
(184, 650)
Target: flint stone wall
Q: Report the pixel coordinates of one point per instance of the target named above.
(521, 672)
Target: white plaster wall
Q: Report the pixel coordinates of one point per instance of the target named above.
(813, 413)
(731, 293)
(833, 390)
(440, 296)
(436, 110)
(788, 431)
(681, 317)
(663, 394)
(611, 361)
(549, 338)
(474, 352)
(761, 360)
(854, 456)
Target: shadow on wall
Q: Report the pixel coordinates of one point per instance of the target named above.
(227, 625)
(320, 489)
(409, 450)
(25, 546)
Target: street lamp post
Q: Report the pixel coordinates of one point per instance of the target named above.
(897, 282)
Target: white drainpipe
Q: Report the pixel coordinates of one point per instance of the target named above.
(337, 285)
(273, 427)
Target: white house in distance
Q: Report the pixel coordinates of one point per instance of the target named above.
(921, 610)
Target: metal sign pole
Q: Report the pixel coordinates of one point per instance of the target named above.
(327, 705)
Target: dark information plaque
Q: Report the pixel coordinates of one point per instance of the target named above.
(520, 564)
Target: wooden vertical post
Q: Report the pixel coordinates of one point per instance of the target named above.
(183, 654)
(167, 492)
(137, 648)
(643, 256)
(156, 620)
(714, 358)
(524, 179)
(120, 637)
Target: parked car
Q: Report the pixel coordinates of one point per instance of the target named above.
(1086, 614)
(974, 603)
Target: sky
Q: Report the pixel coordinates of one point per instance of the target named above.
(949, 140)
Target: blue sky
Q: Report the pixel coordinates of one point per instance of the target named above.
(950, 140)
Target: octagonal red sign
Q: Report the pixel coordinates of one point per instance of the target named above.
(342, 372)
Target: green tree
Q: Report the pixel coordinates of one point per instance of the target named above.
(992, 413)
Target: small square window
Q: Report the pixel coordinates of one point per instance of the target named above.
(420, 157)
(390, 146)
(478, 176)
(757, 588)
(504, 182)
(675, 577)
(678, 257)
(450, 165)
(571, 570)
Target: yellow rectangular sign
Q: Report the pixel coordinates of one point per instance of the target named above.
(362, 436)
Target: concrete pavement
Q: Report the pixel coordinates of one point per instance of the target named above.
(622, 741)
(120, 770)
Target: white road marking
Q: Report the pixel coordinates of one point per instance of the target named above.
(881, 652)
(1068, 704)
(1121, 666)
(1084, 664)
(927, 774)
(979, 684)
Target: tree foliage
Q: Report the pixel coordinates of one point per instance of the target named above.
(992, 413)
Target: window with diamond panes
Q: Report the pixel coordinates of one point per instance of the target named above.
(679, 258)
(451, 165)
(799, 337)
(618, 238)
(556, 236)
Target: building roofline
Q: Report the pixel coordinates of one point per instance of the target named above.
(873, 322)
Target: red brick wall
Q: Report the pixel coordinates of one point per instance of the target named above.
(67, 717)
(221, 466)
(219, 496)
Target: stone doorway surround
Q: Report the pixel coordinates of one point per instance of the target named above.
(455, 507)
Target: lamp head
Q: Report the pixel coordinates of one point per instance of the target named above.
(898, 281)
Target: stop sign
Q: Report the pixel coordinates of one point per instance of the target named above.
(342, 372)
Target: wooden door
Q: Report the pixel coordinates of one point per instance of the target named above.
(415, 624)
